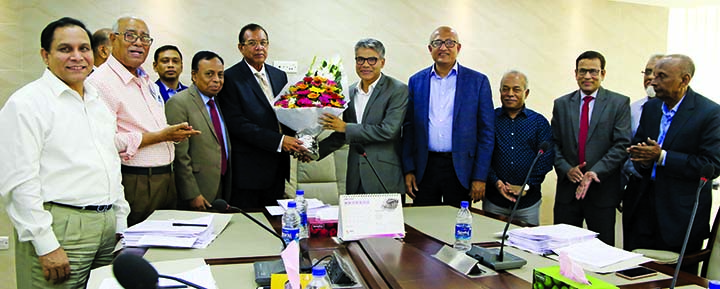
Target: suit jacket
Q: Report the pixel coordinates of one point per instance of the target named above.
(379, 134)
(608, 137)
(254, 128)
(164, 91)
(691, 142)
(473, 131)
(198, 160)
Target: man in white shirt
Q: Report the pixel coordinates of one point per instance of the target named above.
(59, 169)
(371, 124)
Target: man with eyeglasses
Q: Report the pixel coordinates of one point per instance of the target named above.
(629, 172)
(143, 138)
(591, 129)
(373, 119)
(261, 145)
(679, 134)
(519, 131)
(449, 130)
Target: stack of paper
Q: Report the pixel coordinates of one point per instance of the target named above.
(543, 239)
(194, 233)
(313, 206)
(595, 254)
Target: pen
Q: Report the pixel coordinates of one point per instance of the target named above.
(188, 225)
(173, 286)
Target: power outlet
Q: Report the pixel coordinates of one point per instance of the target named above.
(287, 66)
(4, 243)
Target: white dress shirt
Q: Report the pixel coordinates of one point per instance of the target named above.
(57, 147)
(362, 98)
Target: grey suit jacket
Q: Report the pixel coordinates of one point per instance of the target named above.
(608, 137)
(197, 160)
(379, 135)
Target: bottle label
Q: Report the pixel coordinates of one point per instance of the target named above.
(463, 232)
(288, 235)
(303, 219)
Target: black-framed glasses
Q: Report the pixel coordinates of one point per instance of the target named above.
(131, 37)
(255, 43)
(647, 71)
(593, 72)
(359, 60)
(449, 43)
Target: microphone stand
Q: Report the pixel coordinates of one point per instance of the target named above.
(362, 152)
(703, 181)
(497, 261)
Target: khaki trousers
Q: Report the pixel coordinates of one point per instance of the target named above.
(88, 238)
(148, 193)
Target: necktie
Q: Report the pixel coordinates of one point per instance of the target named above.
(584, 123)
(218, 130)
(265, 87)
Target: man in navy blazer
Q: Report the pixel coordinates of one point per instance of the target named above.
(449, 130)
(260, 158)
(679, 134)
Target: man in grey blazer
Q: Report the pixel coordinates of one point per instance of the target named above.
(588, 185)
(371, 124)
(202, 166)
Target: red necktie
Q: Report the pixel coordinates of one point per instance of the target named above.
(584, 123)
(218, 130)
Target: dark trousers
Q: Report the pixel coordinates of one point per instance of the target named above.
(599, 219)
(147, 193)
(440, 184)
(259, 198)
(641, 229)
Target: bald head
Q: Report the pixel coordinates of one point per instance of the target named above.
(672, 75)
(443, 30)
(101, 45)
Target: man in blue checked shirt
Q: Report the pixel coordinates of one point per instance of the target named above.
(519, 131)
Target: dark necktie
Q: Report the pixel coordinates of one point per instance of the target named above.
(218, 130)
(584, 123)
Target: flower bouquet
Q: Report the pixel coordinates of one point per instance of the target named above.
(303, 101)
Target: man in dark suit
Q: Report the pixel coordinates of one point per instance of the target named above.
(168, 65)
(679, 134)
(260, 144)
(449, 129)
(373, 120)
(591, 129)
(202, 164)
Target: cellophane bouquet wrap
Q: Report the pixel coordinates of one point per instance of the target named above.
(304, 100)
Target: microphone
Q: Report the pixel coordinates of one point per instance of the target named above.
(502, 260)
(265, 269)
(361, 151)
(706, 173)
(223, 207)
(134, 272)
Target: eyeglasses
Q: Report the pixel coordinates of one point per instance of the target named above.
(449, 43)
(131, 37)
(370, 60)
(583, 71)
(255, 43)
(647, 72)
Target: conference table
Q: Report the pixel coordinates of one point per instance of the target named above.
(382, 262)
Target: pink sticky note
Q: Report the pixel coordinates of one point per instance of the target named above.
(291, 258)
(572, 270)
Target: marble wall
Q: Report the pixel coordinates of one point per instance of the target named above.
(539, 37)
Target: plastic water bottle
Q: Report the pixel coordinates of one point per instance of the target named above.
(302, 211)
(463, 228)
(291, 224)
(319, 280)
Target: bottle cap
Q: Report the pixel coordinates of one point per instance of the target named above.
(299, 193)
(714, 284)
(464, 204)
(318, 271)
(292, 204)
